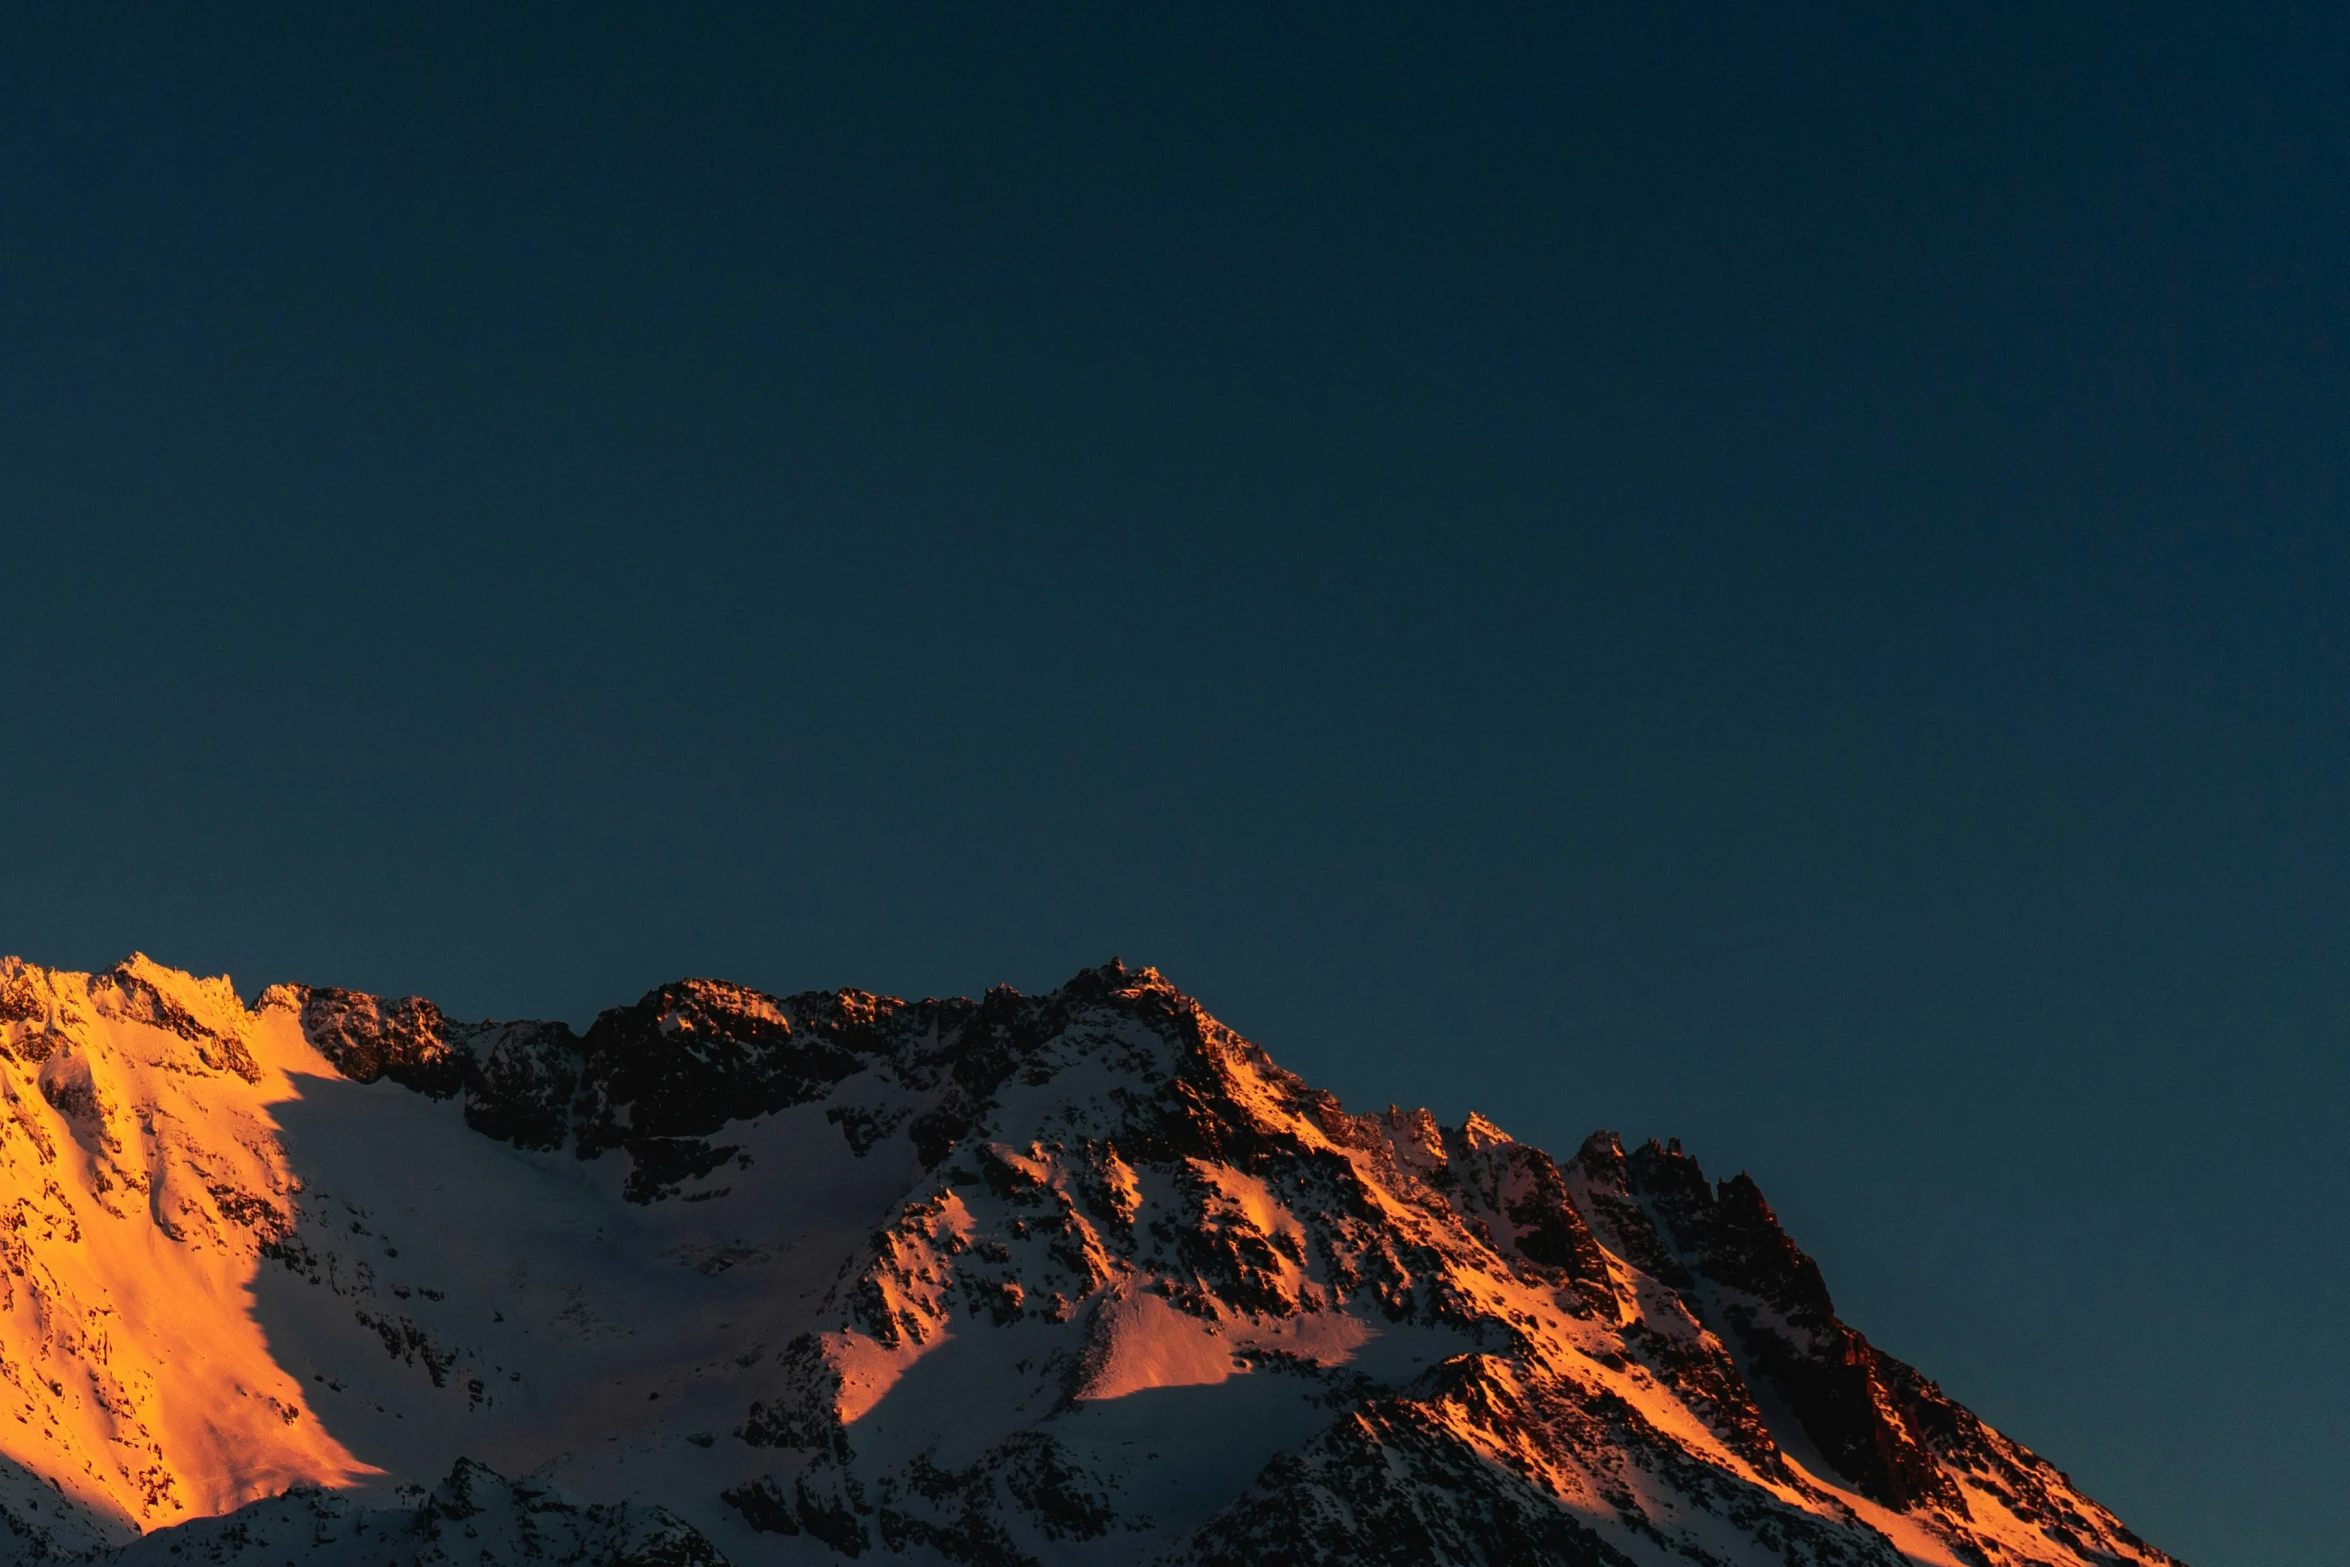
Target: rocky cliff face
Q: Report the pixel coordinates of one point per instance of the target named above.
(1073, 1278)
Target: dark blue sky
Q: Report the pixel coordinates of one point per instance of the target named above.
(1776, 578)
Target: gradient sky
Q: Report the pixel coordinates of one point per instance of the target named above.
(1772, 578)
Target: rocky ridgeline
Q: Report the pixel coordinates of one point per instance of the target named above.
(1093, 1246)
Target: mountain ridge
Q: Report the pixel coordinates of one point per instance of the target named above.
(1082, 1276)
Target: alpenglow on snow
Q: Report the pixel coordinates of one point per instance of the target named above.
(1078, 1278)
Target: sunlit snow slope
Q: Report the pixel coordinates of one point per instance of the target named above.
(1075, 1278)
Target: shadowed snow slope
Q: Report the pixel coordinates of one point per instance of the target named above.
(1073, 1278)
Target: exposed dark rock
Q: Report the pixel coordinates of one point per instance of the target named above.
(368, 1038)
(1776, 1302)
(524, 1080)
(764, 1505)
(659, 1077)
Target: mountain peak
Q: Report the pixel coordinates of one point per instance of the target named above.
(1477, 1132)
(1056, 1278)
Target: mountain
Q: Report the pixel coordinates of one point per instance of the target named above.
(730, 1278)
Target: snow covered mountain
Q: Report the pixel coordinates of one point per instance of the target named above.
(1073, 1278)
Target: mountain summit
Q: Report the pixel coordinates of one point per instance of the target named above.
(731, 1278)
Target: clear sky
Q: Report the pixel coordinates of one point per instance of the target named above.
(1775, 575)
